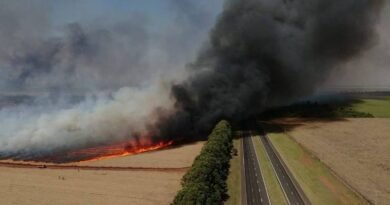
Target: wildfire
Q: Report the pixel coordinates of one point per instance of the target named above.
(119, 150)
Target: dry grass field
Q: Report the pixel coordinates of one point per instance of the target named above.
(358, 150)
(47, 187)
(34, 186)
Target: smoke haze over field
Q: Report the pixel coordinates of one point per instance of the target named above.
(89, 83)
(260, 53)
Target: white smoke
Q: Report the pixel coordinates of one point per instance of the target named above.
(103, 118)
(118, 67)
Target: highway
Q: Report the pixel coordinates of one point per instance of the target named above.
(289, 188)
(255, 189)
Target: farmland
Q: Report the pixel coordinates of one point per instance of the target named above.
(379, 107)
(357, 150)
(24, 186)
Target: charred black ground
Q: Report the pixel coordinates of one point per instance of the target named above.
(267, 53)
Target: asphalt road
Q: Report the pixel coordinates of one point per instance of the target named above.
(255, 190)
(286, 182)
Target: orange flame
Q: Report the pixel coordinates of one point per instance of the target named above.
(119, 150)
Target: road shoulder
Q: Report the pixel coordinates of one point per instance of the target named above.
(234, 178)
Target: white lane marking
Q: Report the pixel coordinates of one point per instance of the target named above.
(261, 174)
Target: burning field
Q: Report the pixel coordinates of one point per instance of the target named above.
(105, 152)
(84, 87)
(112, 180)
(120, 150)
(89, 94)
(99, 152)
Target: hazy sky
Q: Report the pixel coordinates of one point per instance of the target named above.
(90, 44)
(148, 37)
(158, 12)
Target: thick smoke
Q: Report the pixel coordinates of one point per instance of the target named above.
(371, 70)
(67, 86)
(266, 53)
(46, 130)
(260, 53)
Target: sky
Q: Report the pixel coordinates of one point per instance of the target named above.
(157, 12)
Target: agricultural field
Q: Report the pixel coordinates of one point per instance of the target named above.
(378, 107)
(71, 187)
(316, 180)
(25, 186)
(357, 150)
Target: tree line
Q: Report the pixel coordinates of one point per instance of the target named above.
(205, 182)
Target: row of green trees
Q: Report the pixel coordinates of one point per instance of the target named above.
(205, 182)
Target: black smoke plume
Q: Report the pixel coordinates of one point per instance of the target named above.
(267, 53)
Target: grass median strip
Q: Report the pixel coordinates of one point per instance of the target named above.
(316, 180)
(234, 178)
(273, 187)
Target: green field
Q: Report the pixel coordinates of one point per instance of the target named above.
(316, 180)
(376, 107)
(234, 179)
(271, 182)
